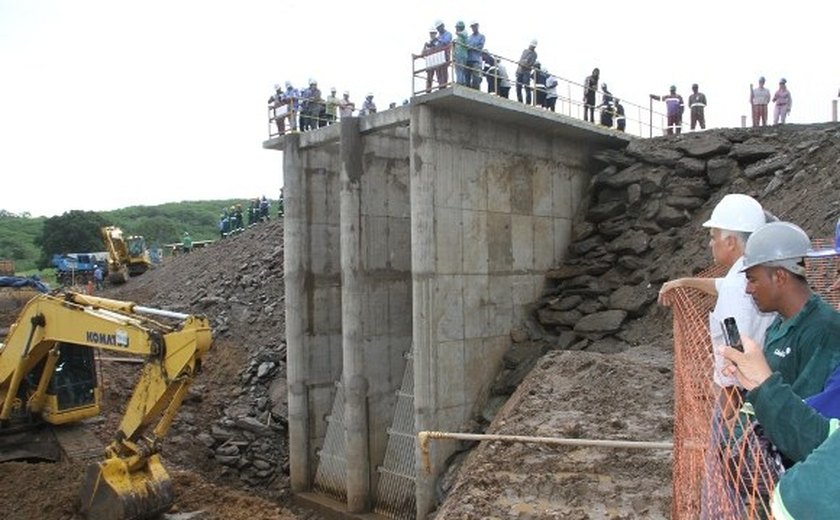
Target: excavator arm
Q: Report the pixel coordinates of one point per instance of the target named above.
(131, 482)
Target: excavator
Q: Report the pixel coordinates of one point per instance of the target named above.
(127, 256)
(48, 378)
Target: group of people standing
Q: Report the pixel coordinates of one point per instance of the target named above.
(232, 221)
(781, 390)
(307, 109)
(760, 98)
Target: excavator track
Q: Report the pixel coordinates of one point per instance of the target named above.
(78, 443)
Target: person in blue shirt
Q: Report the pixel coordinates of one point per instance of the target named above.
(444, 40)
(475, 45)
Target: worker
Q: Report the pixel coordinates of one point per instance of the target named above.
(523, 72)
(606, 106)
(804, 431)
(800, 345)
(697, 106)
(759, 99)
(783, 101)
(475, 46)
(98, 278)
(345, 106)
(620, 120)
(186, 242)
(330, 109)
(368, 107)
(730, 225)
(590, 92)
(674, 106)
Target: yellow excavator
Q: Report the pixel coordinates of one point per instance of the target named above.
(48, 378)
(127, 256)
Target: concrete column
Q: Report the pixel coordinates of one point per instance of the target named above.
(423, 252)
(352, 303)
(833, 110)
(295, 238)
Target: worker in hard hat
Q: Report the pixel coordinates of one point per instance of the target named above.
(475, 46)
(783, 103)
(275, 105)
(697, 107)
(430, 47)
(444, 41)
(730, 225)
(368, 107)
(345, 106)
(759, 99)
(524, 70)
(805, 431)
(801, 349)
(330, 108)
(459, 53)
(674, 106)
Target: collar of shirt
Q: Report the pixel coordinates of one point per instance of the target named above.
(781, 327)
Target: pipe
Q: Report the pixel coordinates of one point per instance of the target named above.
(426, 436)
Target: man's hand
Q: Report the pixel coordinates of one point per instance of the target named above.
(748, 366)
(664, 292)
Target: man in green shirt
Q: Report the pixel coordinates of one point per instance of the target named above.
(803, 343)
(799, 429)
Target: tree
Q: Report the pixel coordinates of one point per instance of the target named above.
(72, 232)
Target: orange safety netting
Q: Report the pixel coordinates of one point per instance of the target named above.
(720, 471)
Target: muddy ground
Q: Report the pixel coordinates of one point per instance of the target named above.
(569, 393)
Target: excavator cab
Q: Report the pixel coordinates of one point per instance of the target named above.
(73, 392)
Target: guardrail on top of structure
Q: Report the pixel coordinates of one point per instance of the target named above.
(435, 68)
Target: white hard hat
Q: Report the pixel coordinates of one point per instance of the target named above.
(332, 89)
(533, 43)
(370, 94)
(288, 84)
(312, 81)
(737, 212)
(473, 22)
(779, 244)
(438, 23)
(433, 29)
(346, 92)
(277, 86)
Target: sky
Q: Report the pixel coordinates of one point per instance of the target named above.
(106, 104)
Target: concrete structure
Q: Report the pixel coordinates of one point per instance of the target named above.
(429, 226)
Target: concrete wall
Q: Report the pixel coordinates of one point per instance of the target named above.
(492, 208)
(428, 226)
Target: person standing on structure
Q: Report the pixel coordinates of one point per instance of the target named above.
(475, 46)
(783, 101)
(540, 78)
(330, 108)
(368, 107)
(620, 120)
(674, 109)
(759, 99)
(460, 53)
(590, 92)
(345, 106)
(429, 48)
(551, 92)
(444, 41)
(523, 72)
(503, 84)
(697, 106)
(606, 107)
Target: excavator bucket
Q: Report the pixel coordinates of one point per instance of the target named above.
(110, 491)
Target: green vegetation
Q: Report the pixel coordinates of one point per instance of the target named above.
(30, 242)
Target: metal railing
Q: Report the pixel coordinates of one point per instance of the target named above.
(435, 69)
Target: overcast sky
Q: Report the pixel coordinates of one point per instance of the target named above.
(106, 103)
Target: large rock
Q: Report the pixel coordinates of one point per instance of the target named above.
(721, 170)
(704, 145)
(601, 322)
(550, 318)
(669, 217)
(631, 175)
(610, 156)
(690, 167)
(632, 241)
(653, 153)
(613, 227)
(565, 304)
(684, 202)
(585, 246)
(632, 298)
(751, 151)
(602, 212)
(688, 187)
(766, 166)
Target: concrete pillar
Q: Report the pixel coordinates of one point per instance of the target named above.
(295, 239)
(352, 304)
(833, 110)
(423, 252)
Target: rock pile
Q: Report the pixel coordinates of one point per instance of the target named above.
(640, 201)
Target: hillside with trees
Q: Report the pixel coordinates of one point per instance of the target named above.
(31, 241)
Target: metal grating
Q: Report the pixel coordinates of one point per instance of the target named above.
(395, 496)
(331, 477)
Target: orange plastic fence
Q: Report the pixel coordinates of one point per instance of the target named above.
(719, 472)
